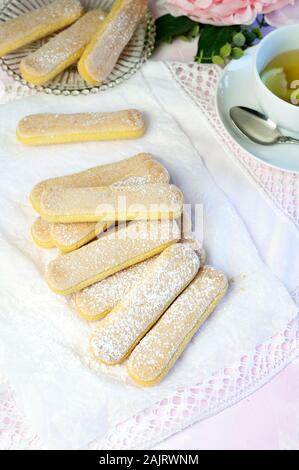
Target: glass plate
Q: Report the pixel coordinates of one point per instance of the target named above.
(69, 82)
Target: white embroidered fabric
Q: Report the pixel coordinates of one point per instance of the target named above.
(174, 413)
(58, 348)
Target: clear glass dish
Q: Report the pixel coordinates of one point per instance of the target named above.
(69, 82)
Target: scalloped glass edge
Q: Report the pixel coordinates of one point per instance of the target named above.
(62, 89)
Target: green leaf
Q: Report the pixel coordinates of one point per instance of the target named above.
(216, 44)
(168, 26)
(168, 39)
(185, 38)
(258, 33)
(195, 31)
(212, 39)
(250, 37)
(198, 59)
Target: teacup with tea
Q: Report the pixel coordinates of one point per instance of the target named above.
(276, 76)
(281, 76)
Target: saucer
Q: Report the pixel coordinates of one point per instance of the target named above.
(236, 88)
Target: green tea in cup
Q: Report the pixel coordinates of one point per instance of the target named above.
(281, 76)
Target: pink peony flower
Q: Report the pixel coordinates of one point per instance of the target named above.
(284, 16)
(222, 12)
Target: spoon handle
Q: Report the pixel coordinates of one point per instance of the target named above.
(288, 140)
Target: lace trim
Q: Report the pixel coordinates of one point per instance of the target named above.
(179, 410)
(223, 389)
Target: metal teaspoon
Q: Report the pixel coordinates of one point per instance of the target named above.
(257, 127)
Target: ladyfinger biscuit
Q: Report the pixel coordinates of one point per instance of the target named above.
(103, 52)
(103, 175)
(70, 237)
(158, 351)
(47, 129)
(61, 51)
(41, 233)
(37, 24)
(112, 203)
(111, 253)
(94, 302)
(139, 310)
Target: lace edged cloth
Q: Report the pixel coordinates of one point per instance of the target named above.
(225, 387)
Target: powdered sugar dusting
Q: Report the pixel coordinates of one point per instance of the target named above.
(112, 252)
(104, 295)
(115, 35)
(145, 303)
(66, 236)
(102, 175)
(64, 46)
(39, 22)
(53, 125)
(74, 235)
(152, 355)
(120, 202)
(41, 231)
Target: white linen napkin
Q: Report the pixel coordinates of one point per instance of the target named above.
(68, 399)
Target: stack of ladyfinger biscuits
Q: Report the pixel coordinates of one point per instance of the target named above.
(126, 263)
(94, 38)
